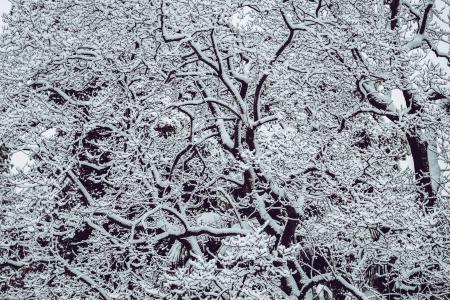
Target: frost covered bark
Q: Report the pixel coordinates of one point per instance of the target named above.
(225, 150)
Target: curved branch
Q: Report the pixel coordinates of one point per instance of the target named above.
(330, 278)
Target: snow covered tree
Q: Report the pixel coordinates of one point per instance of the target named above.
(226, 149)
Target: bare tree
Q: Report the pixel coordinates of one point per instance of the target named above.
(225, 150)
